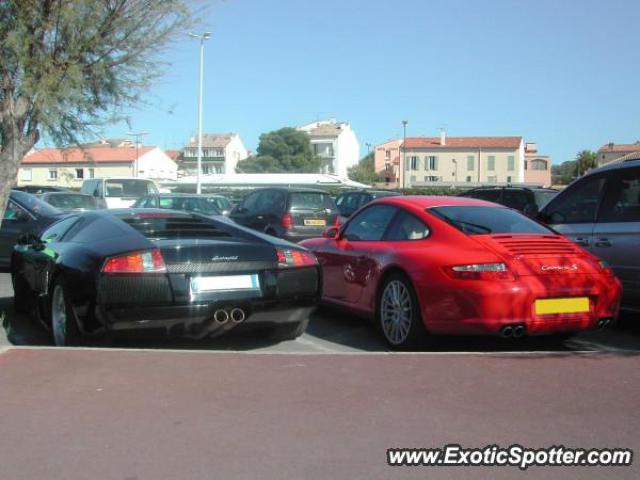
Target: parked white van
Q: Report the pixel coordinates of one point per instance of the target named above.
(118, 192)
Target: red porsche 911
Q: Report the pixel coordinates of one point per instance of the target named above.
(454, 265)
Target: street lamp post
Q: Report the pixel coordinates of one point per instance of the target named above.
(137, 136)
(403, 167)
(202, 38)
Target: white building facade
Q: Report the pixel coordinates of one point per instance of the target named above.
(335, 143)
(221, 153)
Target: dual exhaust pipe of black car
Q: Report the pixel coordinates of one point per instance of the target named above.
(234, 315)
(603, 322)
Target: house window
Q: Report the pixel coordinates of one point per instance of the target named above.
(433, 163)
(471, 162)
(508, 179)
(468, 179)
(431, 178)
(538, 164)
(79, 173)
(492, 179)
(511, 163)
(525, 164)
(491, 163)
(414, 163)
(25, 174)
(387, 155)
(53, 174)
(92, 172)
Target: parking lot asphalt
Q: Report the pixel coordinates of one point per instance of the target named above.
(326, 405)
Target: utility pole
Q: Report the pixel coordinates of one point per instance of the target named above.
(403, 171)
(136, 136)
(202, 38)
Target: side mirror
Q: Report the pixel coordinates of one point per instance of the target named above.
(331, 232)
(30, 240)
(240, 209)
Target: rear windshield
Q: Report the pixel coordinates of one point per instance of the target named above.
(70, 201)
(130, 188)
(34, 204)
(487, 220)
(311, 200)
(160, 226)
(190, 204)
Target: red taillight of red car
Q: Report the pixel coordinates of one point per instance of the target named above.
(480, 271)
(138, 262)
(286, 221)
(295, 258)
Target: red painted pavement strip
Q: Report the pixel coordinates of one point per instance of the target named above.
(113, 414)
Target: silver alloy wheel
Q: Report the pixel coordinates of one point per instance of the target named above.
(396, 312)
(59, 317)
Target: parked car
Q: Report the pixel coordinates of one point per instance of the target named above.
(118, 192)
(601, 213)
(70, 201)
(37, 189)
(452, 265)
(290, 213)
(179, 201)
(181, 273)
(25, 213)
(222, 203)
(527, 200)
(349, 202)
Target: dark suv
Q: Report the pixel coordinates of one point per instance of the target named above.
(290, 213)
(349, 202)
(527, 200)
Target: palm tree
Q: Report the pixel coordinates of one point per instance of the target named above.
(585, 161)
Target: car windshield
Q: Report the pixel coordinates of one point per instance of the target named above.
(190, 204)
(311, 200)
(131, 188)
(487, 220)
(34, 204)
(544, 197)
(70, 201)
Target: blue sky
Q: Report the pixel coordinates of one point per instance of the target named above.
(564, 74)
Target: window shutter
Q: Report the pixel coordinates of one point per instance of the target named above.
(435, 163)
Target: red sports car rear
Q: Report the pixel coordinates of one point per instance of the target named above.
(451, 265)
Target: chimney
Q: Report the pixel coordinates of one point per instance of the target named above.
(610, 145)
(443, 137)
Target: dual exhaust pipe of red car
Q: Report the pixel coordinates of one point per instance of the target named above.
(234, 315)
(512, 331)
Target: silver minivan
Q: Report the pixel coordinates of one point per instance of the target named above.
(601, 212)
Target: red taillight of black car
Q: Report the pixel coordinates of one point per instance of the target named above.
(136, 262)
(288, 258)
(286, 221)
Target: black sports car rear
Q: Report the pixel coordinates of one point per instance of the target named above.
(186, 274)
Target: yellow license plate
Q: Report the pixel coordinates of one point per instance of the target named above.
(315, 223)
(551, 306)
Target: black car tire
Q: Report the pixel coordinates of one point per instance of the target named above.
(290, 331)
(64, 325)
(416, 333)
(21, 294)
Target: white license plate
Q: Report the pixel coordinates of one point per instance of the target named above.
(315, 223)
(224, 283)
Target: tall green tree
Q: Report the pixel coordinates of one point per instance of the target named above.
(364, 171)
(69, 66)
(585, 161)
(282, 151)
